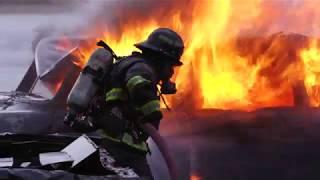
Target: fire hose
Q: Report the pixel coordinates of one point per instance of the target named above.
(163, 147)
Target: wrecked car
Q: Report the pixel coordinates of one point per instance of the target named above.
(34, 141)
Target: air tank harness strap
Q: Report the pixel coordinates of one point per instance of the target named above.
(163, 99)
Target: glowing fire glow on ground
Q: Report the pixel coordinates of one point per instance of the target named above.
(221, 73)
(195, 177)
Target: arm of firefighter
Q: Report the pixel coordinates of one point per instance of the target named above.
(140, 83)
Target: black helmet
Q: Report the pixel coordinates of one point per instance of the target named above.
(164, 41)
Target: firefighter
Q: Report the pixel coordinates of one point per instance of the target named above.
(133, 97)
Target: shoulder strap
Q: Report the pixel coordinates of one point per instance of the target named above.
(121, 66)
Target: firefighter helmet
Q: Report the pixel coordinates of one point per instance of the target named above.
(164, 41)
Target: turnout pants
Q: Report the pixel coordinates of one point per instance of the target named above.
(127, 156)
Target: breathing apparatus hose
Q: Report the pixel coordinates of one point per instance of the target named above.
(163, 147)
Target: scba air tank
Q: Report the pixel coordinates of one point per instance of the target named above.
(89, 80)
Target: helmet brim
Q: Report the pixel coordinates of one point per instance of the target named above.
(145, 45)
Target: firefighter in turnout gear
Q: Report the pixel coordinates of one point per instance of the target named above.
(134, 97)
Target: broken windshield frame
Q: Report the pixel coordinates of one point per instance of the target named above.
(51, 65)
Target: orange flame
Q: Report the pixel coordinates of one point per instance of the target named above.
(231, 60)
(311, 60)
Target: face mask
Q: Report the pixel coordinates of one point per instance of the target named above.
(168, 87)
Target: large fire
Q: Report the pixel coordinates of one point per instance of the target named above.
(311, 61)
(234, 57)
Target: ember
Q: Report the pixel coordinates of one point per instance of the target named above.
(234, 57)
(194, 177)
